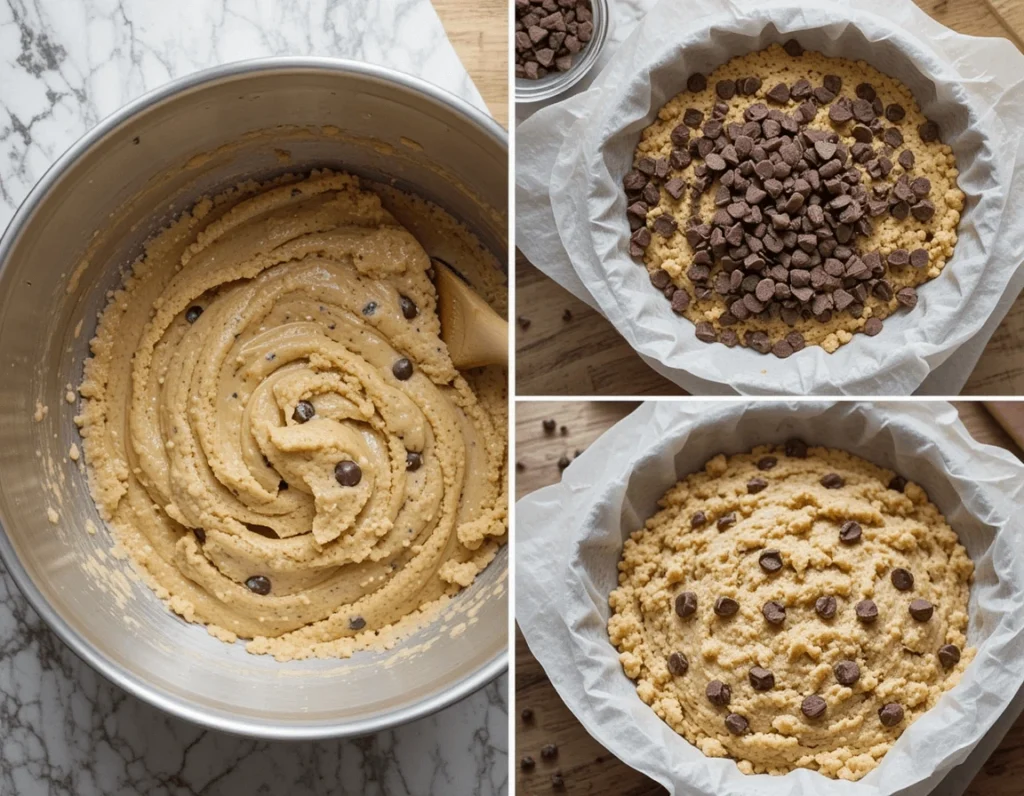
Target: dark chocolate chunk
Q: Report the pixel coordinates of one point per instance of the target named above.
(770, 561)
(718, 693)
(867, 611)
(832, 481)
(678, 664)
(726, 606)
(902, 579)
(813, 707)
(949, 655)
(850, 532)
(761, 679)
(686, 604)
(826, 607)
(774, 612)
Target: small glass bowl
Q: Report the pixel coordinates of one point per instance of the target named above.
(555, 82)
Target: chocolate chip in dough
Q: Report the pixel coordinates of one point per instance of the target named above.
(949, 655)
(698, 520)
(726, 606)
(678, 665)
(718, 693)
(402, 369)
(890, 714)
(696, 82)
(867, 611)
(850, 532)
(846, 672)
(408, 307)
(898, 483)
(813, 707)
(282, 485)
(793, 48)
(907, 296)
(921, 610)
(826, 606)
(755, 485)
(872, 326)
(725, 89)
(796, 448)
(413, 461)
(929, 132)
(192, 313)
(348, 473)
(356, 623)
(774, 612)
(736, 724)
(770, 561)
(258, 584)
(369, 308)
(832, 481)
(686, 604)
(726, 520)
(894, 112)
(200, 535)
(304, 412)
(906, 159)
(766, 462)
(902, 579)
(761, 679)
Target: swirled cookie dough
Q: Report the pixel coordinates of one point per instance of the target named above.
(744, 609)
(834, 219)
(274, 429)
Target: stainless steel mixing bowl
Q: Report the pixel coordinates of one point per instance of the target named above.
(113, 189)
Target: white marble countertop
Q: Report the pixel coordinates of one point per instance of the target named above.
(64, 65)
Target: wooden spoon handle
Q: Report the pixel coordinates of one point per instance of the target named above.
(474, 333)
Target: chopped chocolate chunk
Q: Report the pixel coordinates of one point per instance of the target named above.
(770, 561)
(678, 664)
(755, 485)
(774, 612)
(850, 532)
(726, 520)
(735, 723)
(718, 693)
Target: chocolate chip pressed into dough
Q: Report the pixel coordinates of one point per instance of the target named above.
(783, 706)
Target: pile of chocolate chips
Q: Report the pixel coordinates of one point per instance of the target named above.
(549, 34)
(790, 205)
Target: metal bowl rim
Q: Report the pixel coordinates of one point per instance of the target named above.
(114, 672)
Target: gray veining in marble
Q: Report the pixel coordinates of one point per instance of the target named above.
(64, 65)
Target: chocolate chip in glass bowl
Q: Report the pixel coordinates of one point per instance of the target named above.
(678, 665)
(949, 655)
(902, 579)
(770, 561)
(921, 609)
(718, 693)
(846, 672)
(774, 612)
(727, 520)
(850, 532)
(867, 611)
(826, 606)
(686, 604)
(761, 679)
(813, 707)
(736, 724)
(726, 606)
(890, 714)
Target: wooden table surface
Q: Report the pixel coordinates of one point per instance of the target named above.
(478, 30)
(587, 767)
(586, 356)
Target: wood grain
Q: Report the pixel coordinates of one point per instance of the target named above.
(587, 767)
(478, 30)
(588, 357)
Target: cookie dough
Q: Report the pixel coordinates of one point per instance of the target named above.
(877, 189)
(793, 607)
(275, 432)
